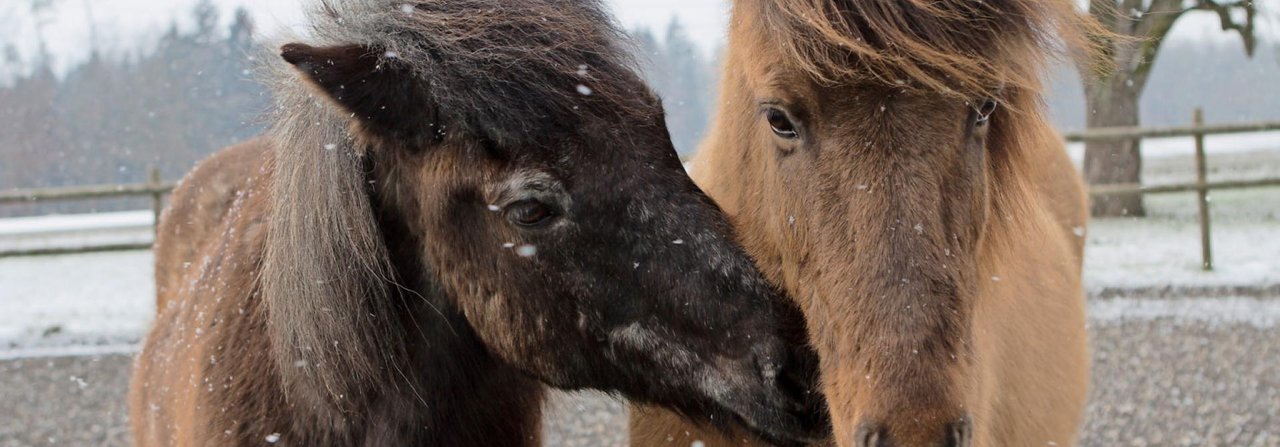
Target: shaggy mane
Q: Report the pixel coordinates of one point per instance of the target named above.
(969, 48)
(500, 69)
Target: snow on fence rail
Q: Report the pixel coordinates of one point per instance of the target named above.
(154, 187)
(157, 189)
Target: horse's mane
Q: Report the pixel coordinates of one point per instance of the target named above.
(509, 70)
(971, 48)
(506, 71)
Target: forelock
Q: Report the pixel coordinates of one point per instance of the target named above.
(507, 70)
(961, 47)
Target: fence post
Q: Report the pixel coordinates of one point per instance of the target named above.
(157, 203)
(1202, 193)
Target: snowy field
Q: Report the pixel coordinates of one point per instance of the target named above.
(104, 301)
(101, 299)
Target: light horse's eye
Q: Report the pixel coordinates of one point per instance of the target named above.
(984, 110)
(781, 124)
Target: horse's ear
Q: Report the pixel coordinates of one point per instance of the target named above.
(381, 92)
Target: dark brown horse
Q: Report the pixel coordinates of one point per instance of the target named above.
(889, 165)
(459, 201)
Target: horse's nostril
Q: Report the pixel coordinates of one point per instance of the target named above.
(869, 435)
(955, 434)
(960, 434)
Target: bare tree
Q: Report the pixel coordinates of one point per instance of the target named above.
(1112, 96)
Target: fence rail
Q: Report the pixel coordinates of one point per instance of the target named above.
(84, 192)
(1125, 133)
(157, 189)
(1202, 186)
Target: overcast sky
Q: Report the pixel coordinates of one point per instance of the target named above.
(123, 25)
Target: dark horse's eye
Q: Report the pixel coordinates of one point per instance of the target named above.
(530, 213)
(985, 110)
(781, 124)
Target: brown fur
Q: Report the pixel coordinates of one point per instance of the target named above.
(358, 275)
(202, 199)
(936, 258)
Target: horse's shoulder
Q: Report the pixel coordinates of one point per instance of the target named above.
(200, 204)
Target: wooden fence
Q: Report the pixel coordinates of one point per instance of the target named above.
(157, 189)
(1198, 130)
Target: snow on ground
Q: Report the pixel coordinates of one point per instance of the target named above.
(79, 230)
(1134, 254)
(1260, 313)
(1163, 249)
(89, 299)
(105, 300)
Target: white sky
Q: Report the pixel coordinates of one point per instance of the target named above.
(123, 25)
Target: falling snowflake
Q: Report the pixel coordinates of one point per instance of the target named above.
(526, 251)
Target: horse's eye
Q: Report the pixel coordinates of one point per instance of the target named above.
(985, 110)
(530, 213)
(781, 125)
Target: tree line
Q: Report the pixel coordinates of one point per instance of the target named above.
(108, 118)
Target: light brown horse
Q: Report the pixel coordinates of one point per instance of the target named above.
(459, 202)
(888, 163)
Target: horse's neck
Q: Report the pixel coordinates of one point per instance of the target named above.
(454, 394)
(450, 391)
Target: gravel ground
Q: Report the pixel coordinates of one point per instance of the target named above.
(1186, 384)
(1159, 379)
(80, 401)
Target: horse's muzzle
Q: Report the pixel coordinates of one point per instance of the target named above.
(955, 434)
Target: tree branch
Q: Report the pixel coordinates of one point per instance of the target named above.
(1158, 19)
(1245, 29)
(1156, 23)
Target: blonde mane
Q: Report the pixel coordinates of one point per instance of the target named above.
(969, 49)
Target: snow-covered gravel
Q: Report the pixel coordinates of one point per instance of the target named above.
(1138, 254)
(89, 299)
(1260, 313)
